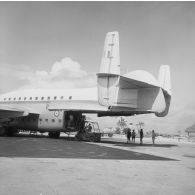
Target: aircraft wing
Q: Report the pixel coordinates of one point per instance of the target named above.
(94, 107)
(135, 84)
(7, 112)
(78, 105)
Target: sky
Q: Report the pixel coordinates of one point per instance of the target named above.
(60, 44)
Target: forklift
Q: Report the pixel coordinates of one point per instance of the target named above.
(89, 132)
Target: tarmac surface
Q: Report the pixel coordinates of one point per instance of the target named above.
(43, 166)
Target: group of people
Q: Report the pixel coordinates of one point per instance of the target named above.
(132, 135)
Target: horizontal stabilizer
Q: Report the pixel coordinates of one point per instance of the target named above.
(164, 78)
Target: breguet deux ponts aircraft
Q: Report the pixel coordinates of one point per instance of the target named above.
(136, 92)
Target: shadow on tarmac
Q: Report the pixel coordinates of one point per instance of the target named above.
(137, 144)
(31, 147)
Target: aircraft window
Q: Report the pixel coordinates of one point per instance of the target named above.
(53, 120)
(36, 98)
(30, 98)
(42, 98)
(62, 97)
(60, 120)
(25, 98)
(9, 98)
(14, 98)
(46, 120)
(19, 98)
(40, 119)
(4, 99)
(55, 97)
(48, 98)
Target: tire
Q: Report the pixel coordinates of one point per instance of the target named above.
(110, 134)
(2, 132)
(11, 132)
(54, 134)
(97, 137)
(92, 138)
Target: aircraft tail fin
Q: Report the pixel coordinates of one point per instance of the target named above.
(109, 73)
(111, 58)
(164, 78)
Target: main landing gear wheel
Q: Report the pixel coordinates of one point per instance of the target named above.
(2, 132)
(54, 134)
(10, 132)
(92, 138)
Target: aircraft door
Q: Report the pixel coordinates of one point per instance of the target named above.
(72, 120)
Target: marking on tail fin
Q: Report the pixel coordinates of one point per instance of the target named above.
(110, 62)
(109, 55)
(111, 51)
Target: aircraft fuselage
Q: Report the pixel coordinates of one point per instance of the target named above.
(46, 120)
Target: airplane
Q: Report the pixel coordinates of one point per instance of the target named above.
(55, 111)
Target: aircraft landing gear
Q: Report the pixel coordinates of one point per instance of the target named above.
(54, 134)
(11, 132)
(7, 131)
(2, 131)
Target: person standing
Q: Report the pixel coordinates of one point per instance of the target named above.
(89, 127)
(128, 135)
(153, 136)
(141, 136)
(82, 124)
(133, 136)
